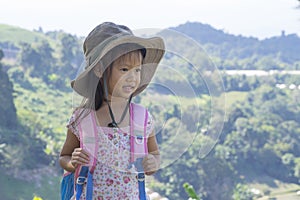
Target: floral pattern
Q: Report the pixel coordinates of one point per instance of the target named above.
(113, 179)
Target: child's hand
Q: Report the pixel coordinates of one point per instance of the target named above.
(79, 157)
(150, 164)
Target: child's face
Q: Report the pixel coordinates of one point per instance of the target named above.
(125, 75)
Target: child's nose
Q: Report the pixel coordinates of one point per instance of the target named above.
(132, 75)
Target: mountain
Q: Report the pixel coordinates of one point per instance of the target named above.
(205, 33)
(217, 43)
(287, 47)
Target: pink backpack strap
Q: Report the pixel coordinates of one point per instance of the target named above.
(89, 137)
(138, 131)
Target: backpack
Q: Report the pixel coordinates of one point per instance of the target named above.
(87, 126)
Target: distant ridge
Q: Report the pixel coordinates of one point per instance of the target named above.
(205, 33)
(15, 34)
(287, 46)
(284, 48)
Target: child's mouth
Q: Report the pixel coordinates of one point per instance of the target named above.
(128, 88)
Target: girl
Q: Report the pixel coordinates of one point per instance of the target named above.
(118, 66)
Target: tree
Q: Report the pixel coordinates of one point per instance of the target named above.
(7, 106)
(46, 53)
(1, 54)
(29, 57)
(71, 55)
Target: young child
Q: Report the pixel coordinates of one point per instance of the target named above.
(119, 65)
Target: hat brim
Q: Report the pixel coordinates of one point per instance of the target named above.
(155, 50)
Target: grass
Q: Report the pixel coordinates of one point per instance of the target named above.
(232, 98)
(14, 189)
(167, 100)
(282, 191)
(268, 186)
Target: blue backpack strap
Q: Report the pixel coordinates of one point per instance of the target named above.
(80, 181)
(89, 186)
(85, 176)
(141, 181)
(141, 178)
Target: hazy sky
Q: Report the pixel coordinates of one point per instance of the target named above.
(258, 18)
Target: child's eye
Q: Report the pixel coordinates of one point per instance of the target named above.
(124, 69)
(138, 69)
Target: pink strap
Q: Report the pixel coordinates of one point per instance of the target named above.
(138, 132)
(89, 137)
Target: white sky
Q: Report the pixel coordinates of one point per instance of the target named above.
(258, 18)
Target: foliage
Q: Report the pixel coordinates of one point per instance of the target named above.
(190, 191)
(262, 139)
(242, 192)
(260, 136)
(1, 54)
(6, 98)
(32, 183)
(37, 198)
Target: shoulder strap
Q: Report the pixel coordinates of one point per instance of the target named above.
(138, 143)
(138, 132)
(89, 137)
(88, 141)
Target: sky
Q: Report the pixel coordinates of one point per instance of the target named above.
(257, 18)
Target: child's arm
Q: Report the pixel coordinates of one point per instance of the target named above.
(71, 154)
(152, 161)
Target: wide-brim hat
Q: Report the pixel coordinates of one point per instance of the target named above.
(105, 38)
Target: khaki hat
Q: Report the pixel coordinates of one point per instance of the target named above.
(108, 36)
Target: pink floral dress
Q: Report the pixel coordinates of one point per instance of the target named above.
(112, 178)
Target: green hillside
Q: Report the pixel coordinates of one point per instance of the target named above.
(257, 147)
(17, 35)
